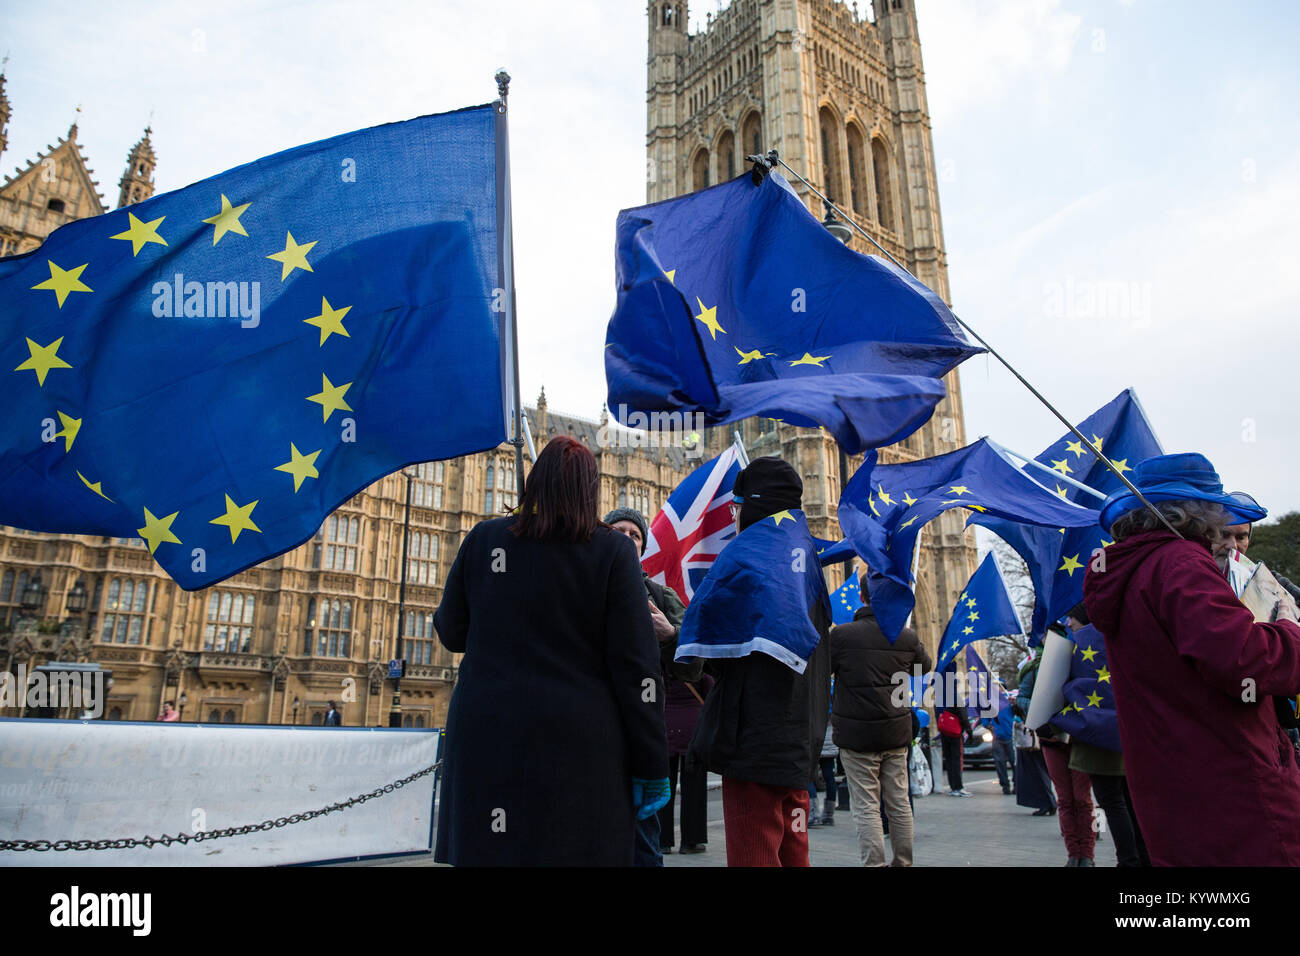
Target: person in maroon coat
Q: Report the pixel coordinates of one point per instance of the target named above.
(1214, 780)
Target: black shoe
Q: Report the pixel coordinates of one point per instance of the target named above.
(693, 848)
(1006, 791)
(1084, 861)
(665, 850)
(1045, 812)
(1072, 862)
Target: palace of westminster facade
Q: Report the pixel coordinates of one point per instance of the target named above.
(842, 98)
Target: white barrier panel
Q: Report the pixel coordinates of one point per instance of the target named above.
(95, 780)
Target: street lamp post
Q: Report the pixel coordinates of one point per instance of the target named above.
(296, 704)
(395, 714)
(181, 702)
(841, 231)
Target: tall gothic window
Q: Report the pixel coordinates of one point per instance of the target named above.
(884, 188)
(229, 624)
(831, 164)
(858, 193)
(124, 612)
(419, 638)
(334, 635)
(700, 169)
(727, 155)
(422, 561)
(751, 134)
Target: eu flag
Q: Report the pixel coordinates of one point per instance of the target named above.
(1089, 711)
(218, 368)
(983, 610)
(1058, 558)
(758, 596)
(884, 507)
(734, 301)
(846, 600)
(834, 552)
(986, 697)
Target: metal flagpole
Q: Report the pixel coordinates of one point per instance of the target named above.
(506, 276)
(1056, 474)
(770, 162)
(744, 455)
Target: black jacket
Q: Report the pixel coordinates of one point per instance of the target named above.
(867, 669)
(558, 705)
(762, 722)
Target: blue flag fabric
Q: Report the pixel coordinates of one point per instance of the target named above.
(834, 552)
(983, 610)
(884, 507)
(758, 596)
(735, 301)
(986, 697)
(1089, 711)
(1058, 560)
(225, 364)
(846, 600)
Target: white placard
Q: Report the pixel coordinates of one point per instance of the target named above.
(1053, 672)
(96, 779)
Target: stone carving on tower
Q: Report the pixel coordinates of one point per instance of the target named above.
(136, 184)
(841, 97)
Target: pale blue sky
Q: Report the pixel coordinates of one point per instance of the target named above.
(1119, 179)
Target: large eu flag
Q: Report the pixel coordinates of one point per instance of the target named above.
(1058, 558)
(759, 595)
(884, 507)
(217, 368)
(735, 301)
(983, 610)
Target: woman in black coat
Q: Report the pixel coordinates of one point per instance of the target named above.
(556, 724)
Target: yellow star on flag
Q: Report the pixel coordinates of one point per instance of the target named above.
(330, 397)
(1105, 543)
(974, 615)
(970, 602)
(156, 531)
(1063, 466)
(330, 320)
(1070, 565)
(227, 220)
(671, 274)
(959, 489)
(884, 496)
(64, 281)
(710, 319)
(782, 515)
(237, 518)
(1121, 466)
(141, 233)
(69, 430)
(1076, 447)
(977, 507)
(747, 357)
(42, 359)
(96, 486)
(956, 645)
(1094, 699)
(300, 466)
(1089, 653)
(908, 499)
(871, 503)
(810, 360)
(965, 630)
(1061, 491)
(292, 256)
(906, 523)
(1096, 442)
(1103, 674)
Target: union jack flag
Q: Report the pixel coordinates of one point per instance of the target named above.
(694, 525)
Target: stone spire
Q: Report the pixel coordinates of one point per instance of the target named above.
(137, 181)
(4, 109)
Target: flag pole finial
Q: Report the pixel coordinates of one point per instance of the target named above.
(503, 85)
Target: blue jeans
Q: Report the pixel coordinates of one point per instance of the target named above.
(647, 842)
(1004, 760)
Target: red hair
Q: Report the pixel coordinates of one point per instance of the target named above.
(560, 495)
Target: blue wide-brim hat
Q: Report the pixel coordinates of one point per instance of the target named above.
(1176, 478)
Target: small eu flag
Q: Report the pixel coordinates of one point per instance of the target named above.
(734, 301)
(884, 507)
(983, 610)
(1089, 711)
(1058, 558)
(845, 601)
(217, 368)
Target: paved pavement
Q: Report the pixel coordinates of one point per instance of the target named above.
(985, 829)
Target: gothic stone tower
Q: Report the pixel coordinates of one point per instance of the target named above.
(842, 97)
(136, 184)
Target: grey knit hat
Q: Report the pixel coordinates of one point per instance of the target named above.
(632, 515)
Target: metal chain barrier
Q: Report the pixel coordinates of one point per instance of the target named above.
(149, 842)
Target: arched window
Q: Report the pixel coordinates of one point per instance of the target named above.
(7, 588)
(858, 192)
(230, 717)
(490, 482)
(727, 156)
(115, 713)
(832, 166)
(884, 188)
(214, 717)
(700, 169)
(307, 632)
(751, 134)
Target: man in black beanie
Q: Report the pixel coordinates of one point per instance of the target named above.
(763, 723)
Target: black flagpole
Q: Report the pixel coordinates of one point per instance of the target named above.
(506, 276)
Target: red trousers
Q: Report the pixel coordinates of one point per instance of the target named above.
(1074, 801)
(765, 826)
